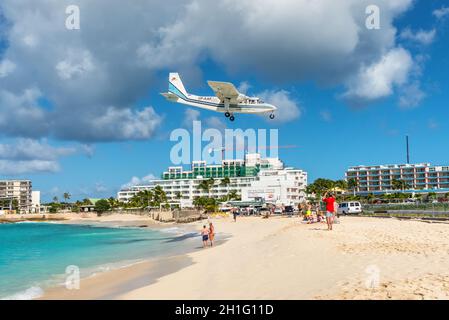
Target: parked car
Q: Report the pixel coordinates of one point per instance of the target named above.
(278, 211)
(289, 210)
(352, 207)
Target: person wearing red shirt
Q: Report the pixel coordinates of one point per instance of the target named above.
(329, 200)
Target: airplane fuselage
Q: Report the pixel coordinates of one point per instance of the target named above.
(213, 103)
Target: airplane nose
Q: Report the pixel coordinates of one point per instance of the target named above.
(274, 108)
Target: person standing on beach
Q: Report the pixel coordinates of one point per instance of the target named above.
(211, 234)
(234, 213)
(205, 235)
(329, 200)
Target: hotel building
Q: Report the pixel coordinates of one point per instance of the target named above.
(421, 177)
(20, 190)
(267, 178)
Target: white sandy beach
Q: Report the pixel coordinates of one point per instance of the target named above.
(281, 258)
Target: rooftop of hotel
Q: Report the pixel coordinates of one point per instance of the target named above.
(390, 166)
(249, 167)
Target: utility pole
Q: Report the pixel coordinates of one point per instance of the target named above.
(408, 149)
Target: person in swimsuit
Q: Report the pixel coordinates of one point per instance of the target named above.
(330, 209)
(205, 235)
(211, 234)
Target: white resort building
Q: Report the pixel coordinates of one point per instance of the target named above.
(420, 178)
(251, 178)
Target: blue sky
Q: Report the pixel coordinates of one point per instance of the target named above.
(63, 102)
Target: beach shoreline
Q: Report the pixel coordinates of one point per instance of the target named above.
(282, 258)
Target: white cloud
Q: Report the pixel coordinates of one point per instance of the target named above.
(115, 124)
(76, 64)
(379, 80)
(20, 114)
(88, 150)
(288, 108)
(136, 181)
(6, 68)
(30, 40)
(421, 36)
(121, 49)
(24, 156)
(244, 87)
(13, 167)
(441, 13)
(411, 96)
(190, 115)
(28, 149)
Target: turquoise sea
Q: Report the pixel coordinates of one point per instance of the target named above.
(34, 256)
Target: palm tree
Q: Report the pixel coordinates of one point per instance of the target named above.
(207, 185)
(179, 196)
(55, 199)
(159, 196)
(341, 184)
(352, 184)
(233, 195)
(113, 202)
(66, 196)
(399, 184)
(225, 181)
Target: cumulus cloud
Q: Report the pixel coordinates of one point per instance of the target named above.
(28, 149)
(257, 31)
(20, 114)
(75, 64)
(25, 156)
(6, 67)
(97, 74)
(244, 87)
(422, 37)
(441, 13)
(379, 80)
(13, 168)
(411, 95)
(114, 124)
(137, 181)
(90, 76)
(288, 108)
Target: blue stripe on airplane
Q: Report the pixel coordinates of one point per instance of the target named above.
(173, 89)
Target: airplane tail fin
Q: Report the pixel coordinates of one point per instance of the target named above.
(175, 85)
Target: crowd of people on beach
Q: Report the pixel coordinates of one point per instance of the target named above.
(313, 213)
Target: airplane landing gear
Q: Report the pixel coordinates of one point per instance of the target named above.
(272, 116)
(232, 118)
(227, 114)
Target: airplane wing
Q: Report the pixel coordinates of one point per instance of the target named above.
(225, 90)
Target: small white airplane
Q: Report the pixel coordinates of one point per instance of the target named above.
(227, 99)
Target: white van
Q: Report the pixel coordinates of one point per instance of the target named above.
(351, 207)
